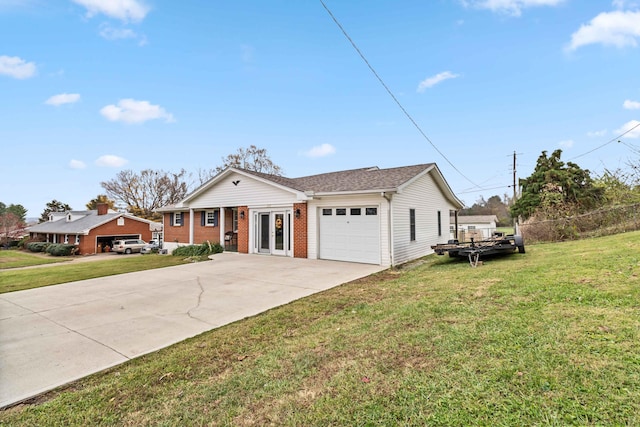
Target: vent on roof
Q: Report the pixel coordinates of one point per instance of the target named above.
(373, 168)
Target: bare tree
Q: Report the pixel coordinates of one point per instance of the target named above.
(149, 190)
(251, 158)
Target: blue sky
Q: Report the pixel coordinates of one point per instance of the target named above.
(91, 87)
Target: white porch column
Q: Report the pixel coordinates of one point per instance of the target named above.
(191, 218)
(221, 224)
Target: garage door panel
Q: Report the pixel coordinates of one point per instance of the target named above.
(350, 237)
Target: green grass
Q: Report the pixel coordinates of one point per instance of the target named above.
(550, 337)
(20, 279)
(15, 258)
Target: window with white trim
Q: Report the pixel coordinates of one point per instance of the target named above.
(177, 219)
(210, 219)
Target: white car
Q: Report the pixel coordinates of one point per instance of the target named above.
(151, 247)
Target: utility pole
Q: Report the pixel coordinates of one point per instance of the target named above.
(514, 177)
(515, 193)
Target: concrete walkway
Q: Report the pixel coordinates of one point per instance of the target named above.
(54, 335)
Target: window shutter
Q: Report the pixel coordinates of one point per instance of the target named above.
(171, 217)
(203, 218)
(182, 219)
(216, 215)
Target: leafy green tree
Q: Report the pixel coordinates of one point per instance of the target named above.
(18, 210)
(557, 185)
(619, 187)
(493, 206)
(101, 198)
(53, 206)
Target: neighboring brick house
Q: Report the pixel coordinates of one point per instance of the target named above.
(92, 231)
(368, 215)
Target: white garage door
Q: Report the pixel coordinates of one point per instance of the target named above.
(350, 234)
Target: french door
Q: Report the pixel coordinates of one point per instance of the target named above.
(273, 232)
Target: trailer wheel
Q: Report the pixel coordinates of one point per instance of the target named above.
(519, 242)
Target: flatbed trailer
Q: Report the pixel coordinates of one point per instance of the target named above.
(474, 249)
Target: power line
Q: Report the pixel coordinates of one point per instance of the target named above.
(484, 189)
(391, 93)
(606, 143)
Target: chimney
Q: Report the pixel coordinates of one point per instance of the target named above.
(103, 208)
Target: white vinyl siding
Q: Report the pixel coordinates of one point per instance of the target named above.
(425, 197)
(248, 192)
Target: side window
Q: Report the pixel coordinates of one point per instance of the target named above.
(412, 224)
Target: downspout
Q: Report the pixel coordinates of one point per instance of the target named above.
(388, 197)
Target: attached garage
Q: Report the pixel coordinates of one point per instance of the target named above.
(350, 234)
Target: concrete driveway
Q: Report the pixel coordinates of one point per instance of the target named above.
(54, 335)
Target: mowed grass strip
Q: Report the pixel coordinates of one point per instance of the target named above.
(15, 258)
(550, 337)
(21, 279)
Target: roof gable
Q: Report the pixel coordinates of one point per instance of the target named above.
(362, 180)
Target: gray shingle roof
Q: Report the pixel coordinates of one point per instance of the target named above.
(78, 226)
(354, 180)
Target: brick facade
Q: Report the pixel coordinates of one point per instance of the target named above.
(300, 230)
(243, 230)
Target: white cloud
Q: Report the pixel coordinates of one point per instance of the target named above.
(566, 144)
(597, 133)
(434, 80)
(124, 10)
(321, 151)
(63, 98)
(632, 124)
(510, 7)
(111, 33)
(77, 164)
(132, 111)
(16, 67)
(111, 161)
(625, 4)
(631, 105)
(618, 28)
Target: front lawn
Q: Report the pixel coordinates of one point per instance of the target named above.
(20, 279)
(14, 258)
(550, 337)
